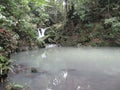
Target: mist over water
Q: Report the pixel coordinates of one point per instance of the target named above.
(68, 69)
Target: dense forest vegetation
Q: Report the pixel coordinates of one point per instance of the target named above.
(70, 22)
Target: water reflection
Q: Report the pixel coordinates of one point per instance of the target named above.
(64, 74)
(78, 88)
(69, 69)
(43, 55)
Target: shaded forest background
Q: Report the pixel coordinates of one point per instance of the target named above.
(70, 22)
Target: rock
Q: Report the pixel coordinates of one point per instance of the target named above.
(33, 70)
(16, 88)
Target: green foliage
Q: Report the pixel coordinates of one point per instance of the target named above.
(14, 16)
(114, 30)
(12, 86)
(37, 13)
(4, 66)
(38, 2)
(114, 22)
(5, 22)
(1, 48)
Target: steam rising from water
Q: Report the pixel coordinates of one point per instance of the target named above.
(70, 69)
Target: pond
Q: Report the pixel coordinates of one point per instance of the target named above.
(67, 69)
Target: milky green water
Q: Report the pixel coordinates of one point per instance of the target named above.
(68, 69)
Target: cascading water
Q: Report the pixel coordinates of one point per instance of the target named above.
(41, 32)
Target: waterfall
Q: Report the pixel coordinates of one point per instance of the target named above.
(41, 32)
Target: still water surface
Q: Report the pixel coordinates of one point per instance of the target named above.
(68, 69)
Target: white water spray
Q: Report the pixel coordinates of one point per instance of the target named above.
(41, 32)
